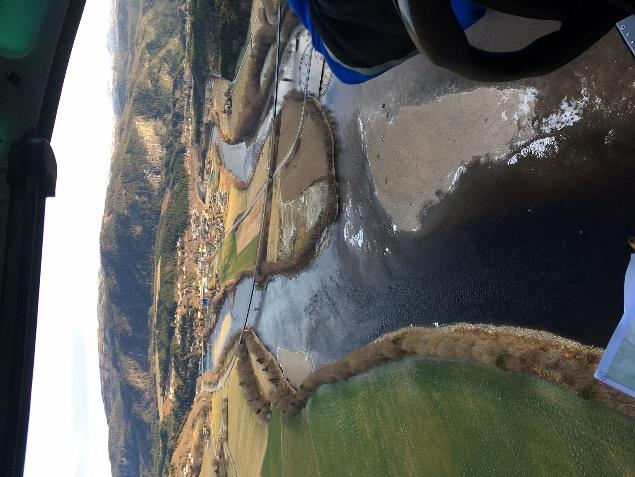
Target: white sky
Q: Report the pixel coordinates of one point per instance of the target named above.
(67, 428)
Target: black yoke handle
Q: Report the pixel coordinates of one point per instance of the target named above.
(436, 32)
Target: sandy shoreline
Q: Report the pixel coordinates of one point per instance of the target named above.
(409, 170)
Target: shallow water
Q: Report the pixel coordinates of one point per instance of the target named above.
(236, 304)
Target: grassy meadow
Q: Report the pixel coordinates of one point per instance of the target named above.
(427, 417)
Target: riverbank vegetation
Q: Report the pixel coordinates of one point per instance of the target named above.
(543, 355)
(217, 31)
(202, 53)
(248, 89)
(546, 356)
(172, 224)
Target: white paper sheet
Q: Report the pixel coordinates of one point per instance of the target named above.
(617, 366)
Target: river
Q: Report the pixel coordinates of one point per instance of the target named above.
(540, 243)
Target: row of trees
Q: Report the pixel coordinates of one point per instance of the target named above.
(218, 31)
(172, 224)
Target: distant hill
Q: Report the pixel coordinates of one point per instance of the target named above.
(147, 39)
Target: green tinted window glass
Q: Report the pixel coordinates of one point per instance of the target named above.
(20, 22)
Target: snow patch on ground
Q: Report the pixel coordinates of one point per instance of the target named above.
(457, 175)
(527, 99)
(521, 102)
(569, 113)
(362, 134)
(540, 148)
(522, 114)
(355, 239)
(358, 238)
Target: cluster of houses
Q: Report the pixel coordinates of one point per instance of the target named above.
(196, 251)
(207, 230)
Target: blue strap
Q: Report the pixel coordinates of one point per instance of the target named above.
(467, 13)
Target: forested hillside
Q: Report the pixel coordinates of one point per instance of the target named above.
(149, 49)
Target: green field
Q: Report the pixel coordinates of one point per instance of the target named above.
(213, 180)
(233, 264)
(423, 417)
(272, 463)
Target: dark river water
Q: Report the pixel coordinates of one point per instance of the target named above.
(539, 245)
